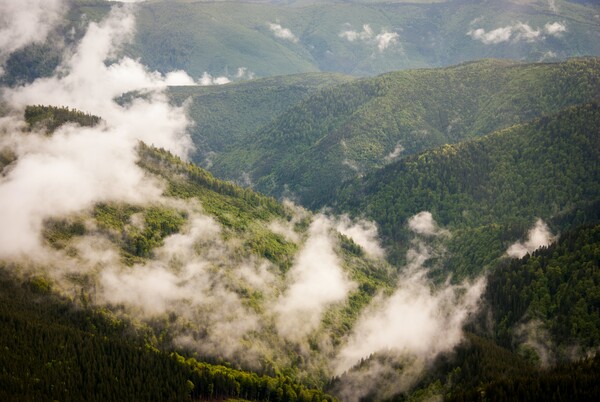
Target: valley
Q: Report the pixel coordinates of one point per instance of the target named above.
(300, 201)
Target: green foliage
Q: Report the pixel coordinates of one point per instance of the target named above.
(58, 232)
(217, 382)
(225, 113)
(52, 350)
(138, 237)
(52, 117)
(558, 286)
(577, 381)
(540, 169)
(354, 128)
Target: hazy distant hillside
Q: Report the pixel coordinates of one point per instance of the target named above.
(353, 37)
(353, 128)
(358, 37)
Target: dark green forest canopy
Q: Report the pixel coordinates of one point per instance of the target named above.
(557, 287)
(52, 117)
(354, 128)
(489, 185)
(54, 350)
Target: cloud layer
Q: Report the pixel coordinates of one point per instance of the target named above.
(316, 282)
(538, 236)
(518, 32)
(282, 33)
(76, 166)
(413, 325)
(24, 22)
(382, 41)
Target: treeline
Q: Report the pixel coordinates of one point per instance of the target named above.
(557, 286)
(52, 350)
(237, 209)
(497, 184)
(579, 381)
(52, 117)
(353, 128)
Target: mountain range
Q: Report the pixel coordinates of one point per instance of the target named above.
(300, 200)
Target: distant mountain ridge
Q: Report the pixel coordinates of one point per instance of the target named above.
(360, 38)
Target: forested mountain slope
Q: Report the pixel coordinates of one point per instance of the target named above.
(491, 188)
(549, 301)
(54, 350)
(354, 128)
(226, 113)
(204, 267)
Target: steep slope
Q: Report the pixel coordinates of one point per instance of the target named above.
(547, 303)
(205, 268)
(492, 188)
(353, 128)
(53, 349)
(224, 114)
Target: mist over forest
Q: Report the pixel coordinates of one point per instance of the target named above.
(308, 200)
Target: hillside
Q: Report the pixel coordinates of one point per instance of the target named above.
(357, 37)
(207, 269)
(546, 304)
(360, 38)
(354, 128)
(492, 188)
(451, 248)
(225, 114)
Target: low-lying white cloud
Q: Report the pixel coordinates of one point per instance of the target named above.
(208, 79)
(282, 33)
(392, 156)
(417, 322)
(76, 167)
(382, 41)
(24, 22)
(386, 39)
(178, 78)
(317, 281)
(518, 32)
(362, 232)
(424, 224)
(538, 236)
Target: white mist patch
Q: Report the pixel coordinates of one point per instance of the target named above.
(23, 22)
(362, 232)
(207, 80)
(518, 32)
(179, 78)
(382, 41)
(538, 236)
(316, 282)
(64, 174)
(417, 322)
(424, 224)
(78, 166)
(395, 154)
(535, 335)
(282, 33)
(192, 278)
